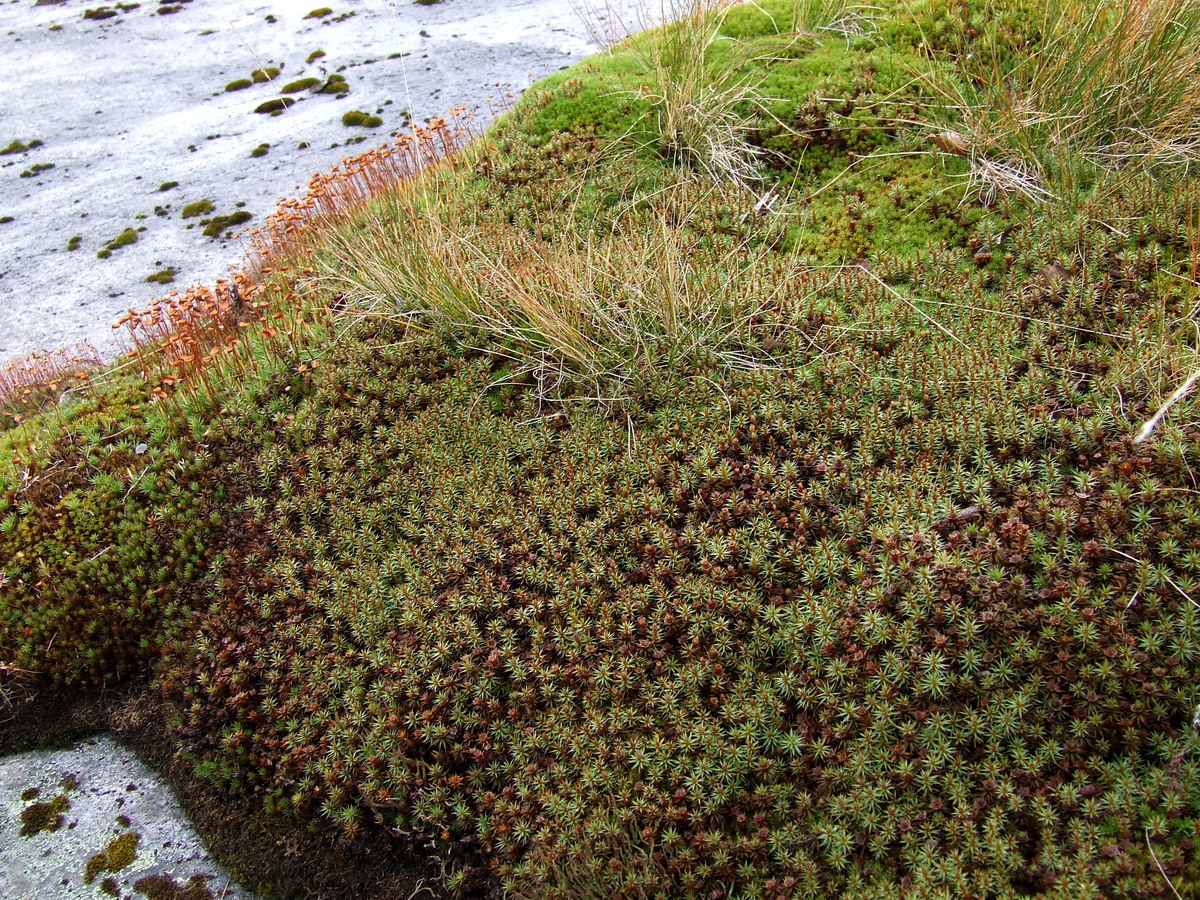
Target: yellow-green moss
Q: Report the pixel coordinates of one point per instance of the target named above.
(300, 84)
(356, 118)
(162, 276)
(319, 13)
(198, 208)
(120, 852)
(124, 239)
(215, 226)
(314, 56)
(238, 84)
(75, 242)
(273, 107)
(270, 73)
(18, 147)
(260, 150)
(37, 169)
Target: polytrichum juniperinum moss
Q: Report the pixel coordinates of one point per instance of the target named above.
(120, 852)
(44, 815)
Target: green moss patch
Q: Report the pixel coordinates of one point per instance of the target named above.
(168, 185)
(260, 76)
(120, 853)
(47, 815)
(335, 84)
(124, 239)
(218, 225)
(238, 84)
(314, 56)
(197, 208)
(356, 118)
(19, 147)
(75, 242)
(275, 106)
(162, 276)
(37, 169)
(319, 13)
(260, 150)
(300, 84)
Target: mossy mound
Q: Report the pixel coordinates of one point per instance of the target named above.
(319, 13)
(791, 539)
(19, 147)
(261, 76)
(238, 84)
(300, 84)
(274, 107)
(196, 208)
(162, 276)
(356, 118)
(219, 225)
(124, 239)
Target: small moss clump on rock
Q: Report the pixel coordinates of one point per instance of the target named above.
(75, 242)
(162, 276)
(214, 227)
(238, 84)
(319, 13)
(124, 239)
(44, 816)
(260, 76)
(198, 208)
(18, 147)
(260, 150)
(272, 107)
(356, 118)
(168, 185)
(335, 84)
(314, 56)
(30, 793)
(4, 220)
(120, 852)
(37, 169)
(300, 84)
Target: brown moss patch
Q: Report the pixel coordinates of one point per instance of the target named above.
(44, 816)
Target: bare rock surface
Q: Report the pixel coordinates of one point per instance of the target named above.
(110, 796)
(128, 97)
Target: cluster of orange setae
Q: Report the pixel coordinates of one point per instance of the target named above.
(30, 380)
(179, 336)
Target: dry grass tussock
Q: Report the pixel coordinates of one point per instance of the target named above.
(576, 312)
(1115, 85)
